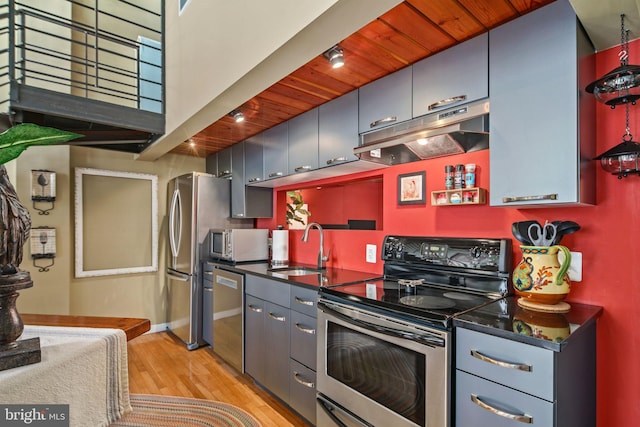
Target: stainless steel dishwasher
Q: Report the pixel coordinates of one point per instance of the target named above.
(228, 304)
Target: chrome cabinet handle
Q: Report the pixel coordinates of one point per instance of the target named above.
(208, 273)
(303, 301)
(517, 366)
(224, 174)
(274, 174)
(298, 378)
(255, 179)
(385, 120)
(305, 330)
(527, 419)
(336, 160)
(529, 198)
(276, 317)
(254, 308)
(302, 168)
(447, 101)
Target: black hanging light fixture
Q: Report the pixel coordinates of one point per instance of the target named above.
(622, 84)
(622, 160)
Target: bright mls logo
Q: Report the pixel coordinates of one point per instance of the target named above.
(34, 415)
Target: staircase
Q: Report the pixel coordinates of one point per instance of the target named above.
(94, 67)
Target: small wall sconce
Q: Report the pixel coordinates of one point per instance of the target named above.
(335, 56)
(43, 246)
(237, 115)
(43, 189)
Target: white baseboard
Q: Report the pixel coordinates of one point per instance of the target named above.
(160, 327)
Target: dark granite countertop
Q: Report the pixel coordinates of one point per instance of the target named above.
(329, 277)
(506, 319)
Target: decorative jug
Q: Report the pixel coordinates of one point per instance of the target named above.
(540, 277)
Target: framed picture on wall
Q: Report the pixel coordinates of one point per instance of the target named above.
(411, 188)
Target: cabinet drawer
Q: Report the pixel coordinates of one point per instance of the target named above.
(520, 366)
(302, 386)
(270, 290)
(303, 339)
(304, 300)
(482, 403)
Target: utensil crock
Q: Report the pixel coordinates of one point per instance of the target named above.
(540, 277)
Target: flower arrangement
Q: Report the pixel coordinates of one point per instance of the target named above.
(296, 208)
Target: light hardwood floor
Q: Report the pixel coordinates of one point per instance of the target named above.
(160, 364)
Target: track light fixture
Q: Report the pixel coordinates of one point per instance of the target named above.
(622, 84)
(335, 56)
(237, 115)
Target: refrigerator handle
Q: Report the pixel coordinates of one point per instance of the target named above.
(175, 235)
(178, 276)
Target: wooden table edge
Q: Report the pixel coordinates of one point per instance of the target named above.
(132, 327)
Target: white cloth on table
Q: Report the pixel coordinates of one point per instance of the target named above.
(83, 367)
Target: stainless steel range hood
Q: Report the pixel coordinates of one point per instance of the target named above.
(453, 131)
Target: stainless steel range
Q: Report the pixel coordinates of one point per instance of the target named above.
(384, 346)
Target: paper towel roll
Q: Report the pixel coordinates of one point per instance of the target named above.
(280, 247)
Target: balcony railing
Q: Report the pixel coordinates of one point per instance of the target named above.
(104, 50)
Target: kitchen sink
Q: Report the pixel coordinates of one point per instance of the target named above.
(296, 270)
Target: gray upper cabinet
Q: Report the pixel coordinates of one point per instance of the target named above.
(457, 75)
(212, 164)
(237, 180)
(542, 122)
(247, 202)
(303, 142)
(275, 146)
(385, 101)
(224, 163)
(338, 130)
(253, 159)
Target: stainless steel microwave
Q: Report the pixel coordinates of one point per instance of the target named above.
(239, 244)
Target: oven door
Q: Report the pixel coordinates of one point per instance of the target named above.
(379, 369)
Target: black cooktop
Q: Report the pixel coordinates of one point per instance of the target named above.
(432, 279)
(425, 304)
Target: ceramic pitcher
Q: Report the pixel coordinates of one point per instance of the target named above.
(540, 276)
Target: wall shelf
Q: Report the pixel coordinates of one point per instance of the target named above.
(459, 196)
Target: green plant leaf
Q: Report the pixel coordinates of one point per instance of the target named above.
(18, 138)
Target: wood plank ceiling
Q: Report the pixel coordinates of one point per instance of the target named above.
(413, 30)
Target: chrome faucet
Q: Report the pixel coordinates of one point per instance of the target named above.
(321, 257)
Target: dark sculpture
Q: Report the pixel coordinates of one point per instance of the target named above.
(15, 223)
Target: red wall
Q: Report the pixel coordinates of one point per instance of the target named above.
(609, 241)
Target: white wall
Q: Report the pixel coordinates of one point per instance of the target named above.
(219, 54)
(58, 291)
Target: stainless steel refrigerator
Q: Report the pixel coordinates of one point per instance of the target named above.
(197, 202)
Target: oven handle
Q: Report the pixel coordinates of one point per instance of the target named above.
(328, 407)
(432, 341)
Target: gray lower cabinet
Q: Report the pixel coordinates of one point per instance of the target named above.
(542, 122)
(207, 303)
(267, 334)
(302, 373)
(280, 341)
(503, 383)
